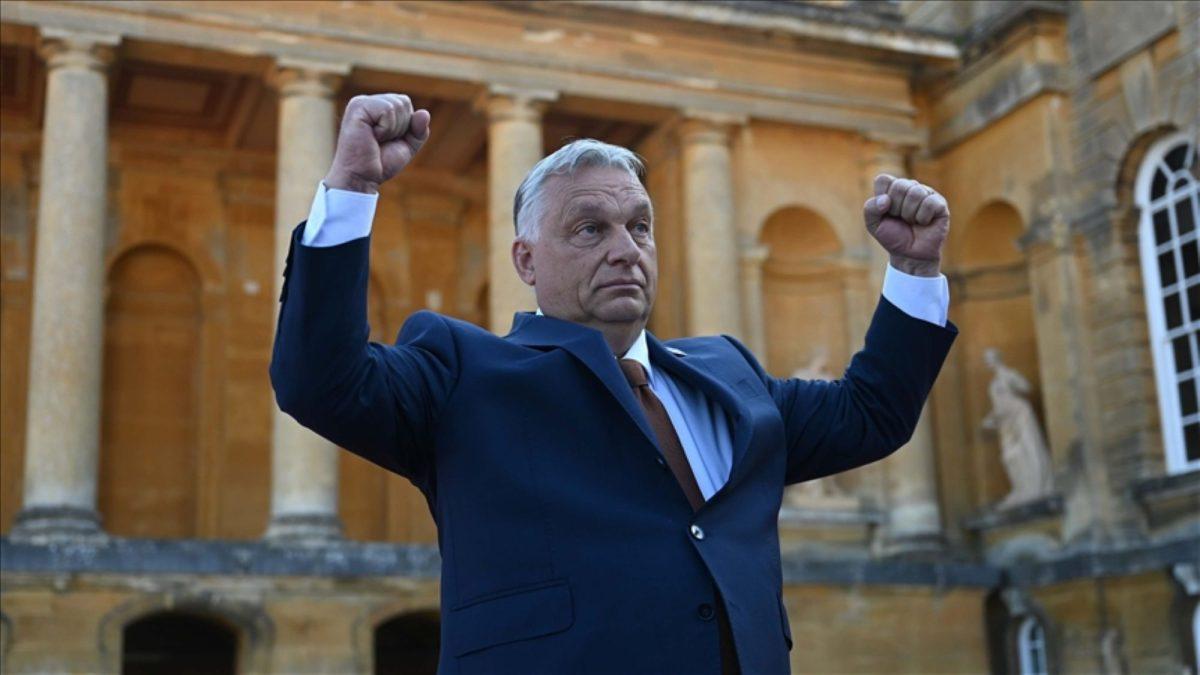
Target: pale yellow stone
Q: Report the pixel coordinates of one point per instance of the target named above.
(711, 244)
(63, 414)
(304, 466)
(514, 147)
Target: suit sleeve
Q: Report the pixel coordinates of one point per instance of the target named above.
(378, 401)
(834, 426)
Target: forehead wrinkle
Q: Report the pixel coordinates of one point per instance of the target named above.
(585, 201)
(585, 195)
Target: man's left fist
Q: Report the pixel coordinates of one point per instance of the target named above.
(911, 221)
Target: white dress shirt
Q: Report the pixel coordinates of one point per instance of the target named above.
(338, 216)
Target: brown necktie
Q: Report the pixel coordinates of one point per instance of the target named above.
(664, 431)
(672, 450)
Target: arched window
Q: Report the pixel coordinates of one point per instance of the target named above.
(1168, 193)
(1031, 647)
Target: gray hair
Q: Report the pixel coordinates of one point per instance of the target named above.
(528, 206)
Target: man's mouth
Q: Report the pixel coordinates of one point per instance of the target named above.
(622, 284)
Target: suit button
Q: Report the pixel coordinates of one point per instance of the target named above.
(661, 462)
(705, 611)
(697, 532)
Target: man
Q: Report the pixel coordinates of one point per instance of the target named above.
(605, 502)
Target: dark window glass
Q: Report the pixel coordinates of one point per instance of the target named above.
(1162, 226)
(1158, 186)
(1187, 397)
(1191, 441)
(1185, 215)
(1183, 353)
(1191, 260)
(1166, 268)
(1175, 157)
(1194, 303)
(1173, 310)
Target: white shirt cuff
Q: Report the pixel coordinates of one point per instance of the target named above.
(925, 298)
(338, 216)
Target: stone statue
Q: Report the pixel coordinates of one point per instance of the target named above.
(822, 492)
(1022, 446)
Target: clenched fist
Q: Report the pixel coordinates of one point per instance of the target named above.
(911, 221)
(380, 135)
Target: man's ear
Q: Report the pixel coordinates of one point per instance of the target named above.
(522, 256)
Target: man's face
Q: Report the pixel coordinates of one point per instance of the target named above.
(594, 262)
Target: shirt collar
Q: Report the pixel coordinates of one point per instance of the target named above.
(638, 351)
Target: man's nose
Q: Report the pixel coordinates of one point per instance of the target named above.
(623, 249)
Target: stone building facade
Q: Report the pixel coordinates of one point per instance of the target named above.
(158, 512)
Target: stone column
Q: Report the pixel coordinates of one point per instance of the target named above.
(751, 258)
(514, 146)
(710, 239)
(304, 466)
(67, 340)
(914, 522)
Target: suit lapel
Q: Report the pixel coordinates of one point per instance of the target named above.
(587, 345)
(694, 372)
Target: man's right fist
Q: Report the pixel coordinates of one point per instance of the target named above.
(380, 135)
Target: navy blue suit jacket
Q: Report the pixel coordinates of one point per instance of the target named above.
(564, 540)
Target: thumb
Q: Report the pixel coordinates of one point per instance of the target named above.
(418, 130)
(419, 126)
(874, 210)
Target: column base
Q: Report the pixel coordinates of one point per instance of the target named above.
(312, 529)
(53, 524)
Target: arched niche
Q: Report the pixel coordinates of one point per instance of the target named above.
(803, 285)
(241, 625)
(179, 643)
(150, 425)
(407, 643)
(989, 239)
(991, 304)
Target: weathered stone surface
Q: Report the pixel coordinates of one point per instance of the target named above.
(1034, 137)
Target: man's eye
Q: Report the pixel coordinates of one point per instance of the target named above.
(589, 228)
(642, 227)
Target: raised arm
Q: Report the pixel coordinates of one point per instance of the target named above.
(379, 401)
(873, 409)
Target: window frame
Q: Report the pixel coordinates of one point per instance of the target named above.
(1026, 646)
(1166, 377)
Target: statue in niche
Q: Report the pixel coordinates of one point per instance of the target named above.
(823, 493)
(1022, 445)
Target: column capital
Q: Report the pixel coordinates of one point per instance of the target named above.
(501, 102)
(61, 48)
(704, 126)
(889, 154)
(304, 77)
